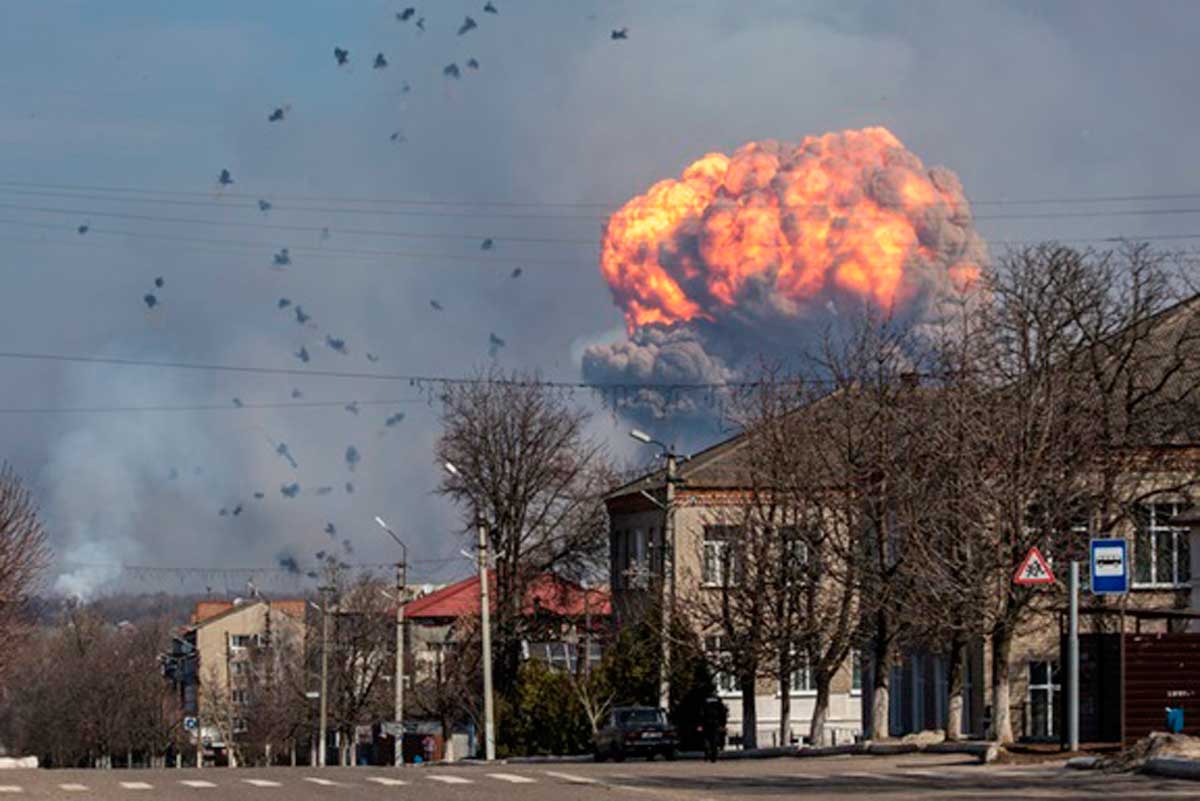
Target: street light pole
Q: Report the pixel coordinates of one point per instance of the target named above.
(401, 583)
(321, 746)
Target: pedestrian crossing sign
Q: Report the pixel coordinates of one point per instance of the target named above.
(1034, 570)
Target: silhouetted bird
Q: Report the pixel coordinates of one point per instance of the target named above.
(349, 488)
(342, 55)
(351, 407)
(223, 512)
(320, 555)
(297, 393)
(258, 496)
(283, 303)
(398, 136)
(282, 450)
(264, 205)
(348, 547)
(406, 14)
(495, 343)
(302, 354)
(468, 24)
(436, 306)
(352, 458)
(237, 403)
(225, 179)
(517, 272)
(149, 300)
(394, 420)
(486, 244)
(290, 490)
(276, 115)
(324, 490)
(451, 71)
(405, 88)
(335, 344)
(380, 61)
(301, 317)
(620, 33)
(282, 258)
(83, 229)
(159, 282)
(331, 530)
(489, 8)
(237, 510)
(421, 24)
(472, 64)
(371, 357)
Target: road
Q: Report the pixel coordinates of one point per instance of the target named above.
(898, 778)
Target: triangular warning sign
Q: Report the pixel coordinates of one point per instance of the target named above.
(1034, 569)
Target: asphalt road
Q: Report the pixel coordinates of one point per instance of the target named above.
(899, 778)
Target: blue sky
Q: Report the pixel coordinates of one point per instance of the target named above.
(1077, 100)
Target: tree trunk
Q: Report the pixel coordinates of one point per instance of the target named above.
(954, 686)
(749, 709)
(816, 729)
(785, 708)
(881, 677)
(1002, 729)
(293, 753)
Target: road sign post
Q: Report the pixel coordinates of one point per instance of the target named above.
(1034, 570)
(1110, 566)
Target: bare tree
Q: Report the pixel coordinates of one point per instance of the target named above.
(362, 658)
(24, 553)
(527, 467)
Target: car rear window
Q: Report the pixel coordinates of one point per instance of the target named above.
(640, 716)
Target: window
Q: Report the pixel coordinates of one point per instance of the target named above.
(856, 671)
(240, 697)
(1161, 557)
(801, 680)
(240, 668)
(1044, 687)
(719, 658)
(639, 565)
(239, 641)
(719, 564)
(239, 726)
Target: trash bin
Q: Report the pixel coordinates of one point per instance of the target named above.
(1175, 719)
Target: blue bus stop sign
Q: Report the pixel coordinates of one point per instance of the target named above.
(1110, 567)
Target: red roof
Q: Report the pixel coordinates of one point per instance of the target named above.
(547, 593)
(207, 610)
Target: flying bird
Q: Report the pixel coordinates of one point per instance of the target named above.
(348, 547)
(302, 354)
(276, 115)
(324, 490)
(371, 357)
(620, 33)
(331, 530)
(398, 136)
(421, 24)
(352, 458)
(290, 490)
(394, 420)
(237, 510)
(517, 272)
(487, 244)
(349, 488)
(237, 403)
(264, 206)
(489, 8)
(83, 229)
(405, 88)
(159, 282)
(258, 496)
(223, 512)
(495, 343)
(301, 317)
(282, 450)
(149, 300)
(283, 303)
(406, 14)
(451, 71)
(468, 24)
(436, 305)
(336, 344)
(342, 55)
(380, 61)
(282, 258)
(473, 63)
(225, 179)
(351, 407)
(297, 393)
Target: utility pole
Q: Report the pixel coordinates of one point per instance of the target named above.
(401, 581)
(668, 557)
(1073, 660)
(324, 719)
(489, 735)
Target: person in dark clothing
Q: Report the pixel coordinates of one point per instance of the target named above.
(714, 727)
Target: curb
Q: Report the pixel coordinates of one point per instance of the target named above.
(1083, 763)
(984, 751)
(1172, 767)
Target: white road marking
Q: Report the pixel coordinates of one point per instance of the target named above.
(9, 788)
(450, 779)
(387, 781)
(73, 788)
(512, 777)
(322, 782)
(262, 783)
(137, 786)
(570, 777)
(197, 783)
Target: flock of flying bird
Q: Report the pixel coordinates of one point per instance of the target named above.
(282, 259)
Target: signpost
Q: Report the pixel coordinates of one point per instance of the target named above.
(1034, 570)
(1110, 567)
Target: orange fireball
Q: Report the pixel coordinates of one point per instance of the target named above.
(851, 213)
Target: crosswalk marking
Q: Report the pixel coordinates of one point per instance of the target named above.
(197, 783)
(512, 777)
(137, 786)
(73, 788)
(386, 781)
(262, 783)
(570, 777)
(9, 788)
(322, 782)
(450, 779)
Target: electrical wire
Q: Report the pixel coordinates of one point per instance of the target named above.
(204, 407)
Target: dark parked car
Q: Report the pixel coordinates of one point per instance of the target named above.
(635, 730)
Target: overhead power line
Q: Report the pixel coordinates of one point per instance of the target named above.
(204, 407)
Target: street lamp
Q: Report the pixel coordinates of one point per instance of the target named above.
(489, 730)
(668, 560)
(401, 582)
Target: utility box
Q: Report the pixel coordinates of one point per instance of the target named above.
(1175, 719)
